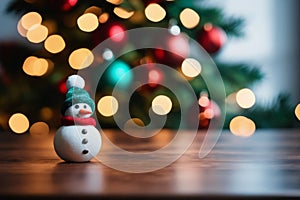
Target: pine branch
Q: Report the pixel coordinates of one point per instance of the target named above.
(279, 114)
(237, 76)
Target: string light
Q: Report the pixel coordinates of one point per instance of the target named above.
(189, 18)
(94, 9)
(18, 123)
(108, 106)
(88, 22)
(242, 126)
(103, 18)
(122, 13)
(30, 19)
(174, 30)
(115, 2)
(81, 58)
(39, 129)
(245, 98)
(154, 12)
(297, 111)
(54, 44)
(34, 66)
(117, 33)
(21, 30)
(37, 33)
(107, 54)
(190, 67)
(161, 105)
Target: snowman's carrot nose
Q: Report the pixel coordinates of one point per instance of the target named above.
(84, 112)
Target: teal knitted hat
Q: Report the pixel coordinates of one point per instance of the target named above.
(76, 94)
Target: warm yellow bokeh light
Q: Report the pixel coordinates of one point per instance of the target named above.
(81, 58)
(34, 66)
(54, 44)
(154, 12)
(94, 9)
(242, 126)
(37, 33)
(103, 18)
(18, 123)
(133, 124)
(21, 30)
(39, 129)
(116, 2)
(161, 105)
(108, 106)
(297, 111)
(88, 22)
(46, 113)
(245, 98)
(30, 19)
(122, 13)
(189, 18)
(190, 67)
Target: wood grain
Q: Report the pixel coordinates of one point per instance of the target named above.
(265, 165)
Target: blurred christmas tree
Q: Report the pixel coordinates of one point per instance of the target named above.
(61, 32)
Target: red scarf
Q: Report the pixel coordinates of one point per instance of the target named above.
(69, 121)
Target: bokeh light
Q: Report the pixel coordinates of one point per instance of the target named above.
(119, 71)
(94, 9)
(54, 44)
(30, 19)
(34, 66)
(203, 101)
(103, 18)
(107, 54)
(18, 123)
(107, 106)
(117, 33)
(245, 98)
(81, 58)
(37, 33)
(116, 2)
(161, 105)
(242, 126)
(297, 111)
(46, 113)
(122, 13)
(39, 129)
(191, 67)
(154, 12)
(21, 30)
(87, 22)
(174, 30)
(189, 18)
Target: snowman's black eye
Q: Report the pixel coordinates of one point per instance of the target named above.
(76, 106)
(84, 106)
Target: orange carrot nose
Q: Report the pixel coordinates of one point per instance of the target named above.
(84, 112)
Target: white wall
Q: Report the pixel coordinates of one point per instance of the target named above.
(271, 41)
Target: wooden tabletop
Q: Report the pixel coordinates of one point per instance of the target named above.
(265, 165)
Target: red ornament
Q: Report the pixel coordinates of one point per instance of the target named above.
(211, 38)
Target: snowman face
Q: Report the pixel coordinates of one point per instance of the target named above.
(80, 110)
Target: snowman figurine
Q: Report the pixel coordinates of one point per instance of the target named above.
(77, 140)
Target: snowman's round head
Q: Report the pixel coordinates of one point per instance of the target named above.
(79, 110)
(77, 98)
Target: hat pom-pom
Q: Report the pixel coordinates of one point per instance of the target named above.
(75, 81)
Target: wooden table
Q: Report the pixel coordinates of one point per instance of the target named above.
(266, 165)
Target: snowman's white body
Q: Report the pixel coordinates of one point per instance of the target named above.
(77, 143)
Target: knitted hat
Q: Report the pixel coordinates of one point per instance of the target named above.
(76, 93)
